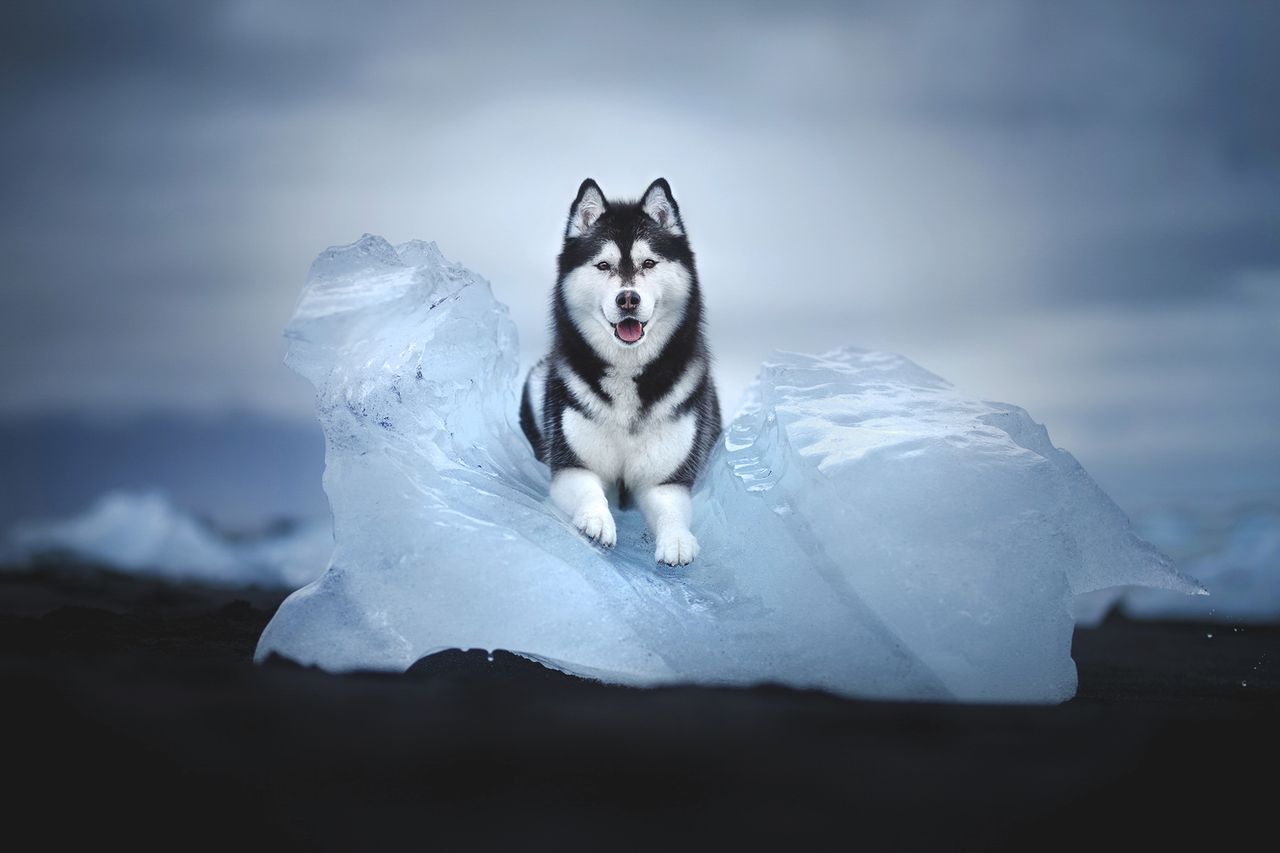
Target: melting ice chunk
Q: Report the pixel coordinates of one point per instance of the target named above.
(865, 529)
(1242, 568)
(144, 533)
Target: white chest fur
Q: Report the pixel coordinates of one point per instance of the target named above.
(618, 443)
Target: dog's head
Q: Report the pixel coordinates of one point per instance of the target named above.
(627, 279)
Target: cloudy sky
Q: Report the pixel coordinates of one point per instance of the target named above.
(1072, 207)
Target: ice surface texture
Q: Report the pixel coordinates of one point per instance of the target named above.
(864, 528)
(144, 533)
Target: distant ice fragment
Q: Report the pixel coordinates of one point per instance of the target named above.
(143, 533)
(865, 529)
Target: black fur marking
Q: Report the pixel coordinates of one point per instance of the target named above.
(530, 425)
(577, 353)
(624, 223)
(704, 439)
(688, 404)
(555, 446)
(685, 349)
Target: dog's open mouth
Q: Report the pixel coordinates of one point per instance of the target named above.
(629, 330)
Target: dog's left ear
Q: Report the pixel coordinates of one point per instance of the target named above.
(661, 207)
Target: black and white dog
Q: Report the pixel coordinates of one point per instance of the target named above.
(625, 397)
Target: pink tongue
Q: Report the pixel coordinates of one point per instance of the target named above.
(630, 330)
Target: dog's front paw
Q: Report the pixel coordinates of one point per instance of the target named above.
(676, 547)
(597, 525)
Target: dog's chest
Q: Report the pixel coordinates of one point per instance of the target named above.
(623, 409)
(619, 441)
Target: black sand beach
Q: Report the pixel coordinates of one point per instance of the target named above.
(132, 714)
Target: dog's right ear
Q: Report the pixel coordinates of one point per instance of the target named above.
(586, 209)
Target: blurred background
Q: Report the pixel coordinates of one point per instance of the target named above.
(1070, 207)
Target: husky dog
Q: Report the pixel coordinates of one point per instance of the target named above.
(625, 398)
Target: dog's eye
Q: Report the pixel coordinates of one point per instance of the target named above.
(649, 263)
(603, 266)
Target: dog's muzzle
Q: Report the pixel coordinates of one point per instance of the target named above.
(629, 330)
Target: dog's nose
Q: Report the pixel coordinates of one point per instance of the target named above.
(628, 300)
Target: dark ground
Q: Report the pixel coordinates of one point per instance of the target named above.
(131, 713)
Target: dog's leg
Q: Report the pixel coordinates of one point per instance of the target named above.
(668, 510)
(580, 494)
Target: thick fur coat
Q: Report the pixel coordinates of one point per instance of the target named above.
(624, 402)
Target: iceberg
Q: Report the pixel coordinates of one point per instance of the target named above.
(865, 528)
(144, 533)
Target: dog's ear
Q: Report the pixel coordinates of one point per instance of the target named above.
(586, 209)
(659, 205)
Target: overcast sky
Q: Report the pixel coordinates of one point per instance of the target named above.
(1072, 207)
